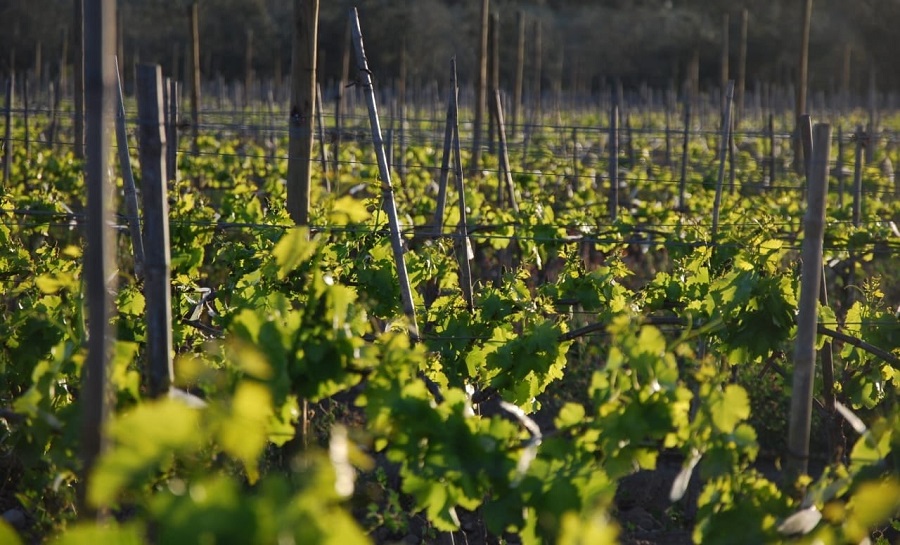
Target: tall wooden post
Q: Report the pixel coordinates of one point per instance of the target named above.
(723, 75)
(520, 72)
(248, 68)
(742, 70)
(494, 36)
(98, 259)
(810, 285)
(538, 72)
(614, 162)
(194, 21)
(78, 77)
(802, 81)
(339, 104)
(174, 117)
(303, 94)
(7, 138)
(481, 88)
(157, 285)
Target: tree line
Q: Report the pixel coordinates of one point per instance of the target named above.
(584, 43)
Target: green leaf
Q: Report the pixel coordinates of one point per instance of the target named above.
(8, 535)
(244, 432)
(570, 415)
(872, 504)
(293, 250)
(349, 210)
(729, 408)
(143, 439)
(96, 533)
(54, 283)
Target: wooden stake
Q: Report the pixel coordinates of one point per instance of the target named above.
(157, 285)
(857, 175)
(339, 105)
(723, 142)
(387, 190)
(685, 142)
(520, 73)
(805, 344)
(194, 22)
(303, 94)
(494, 63)
(772, 169)
(25, 118)
(802, 81)
(98, 259)
(449, 131)
(504, 153)
(131, 204)
(463, 249)
(7, 153)
(480, 89)
(805, 128)
(840, 167)
(742, 70)
(320, 125)
(78, 36)
(614, 163)
(172, 119)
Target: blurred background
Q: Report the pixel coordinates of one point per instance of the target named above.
(585, 44)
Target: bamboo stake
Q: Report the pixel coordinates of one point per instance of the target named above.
(320, 122)
(804, 352)
(157, 285)
(387, 190)
(131, 204)
(504, 153)
(438, 222)
(723, 142)
(98, 260)
(464, 250)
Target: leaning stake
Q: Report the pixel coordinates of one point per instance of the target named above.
(387, 190)
(723, 142)
(131, 204)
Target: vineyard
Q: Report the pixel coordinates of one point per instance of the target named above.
(588, 335)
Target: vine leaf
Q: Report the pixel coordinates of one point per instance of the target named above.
(292, 250)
